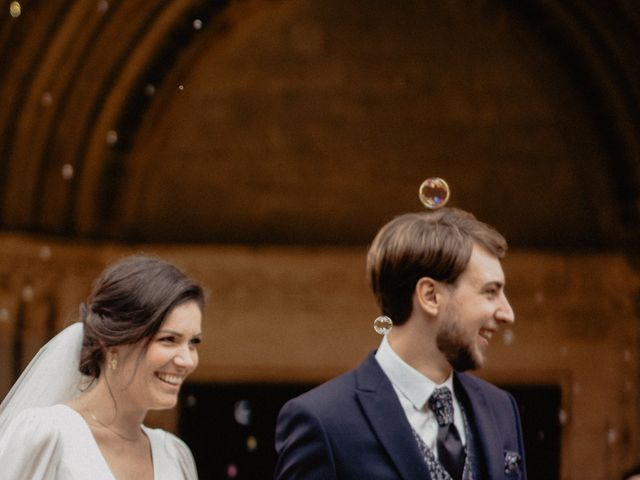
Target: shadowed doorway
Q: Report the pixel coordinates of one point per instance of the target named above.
(230, 427)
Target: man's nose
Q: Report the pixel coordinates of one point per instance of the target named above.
(505, 313)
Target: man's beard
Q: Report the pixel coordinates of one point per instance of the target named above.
(456, 349)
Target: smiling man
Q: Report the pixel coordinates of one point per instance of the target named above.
(409, 411)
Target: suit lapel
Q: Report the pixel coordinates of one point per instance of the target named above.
(382, 408)
(489, 438)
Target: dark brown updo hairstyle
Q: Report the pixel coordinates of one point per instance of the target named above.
(128, 304)
(435, 244)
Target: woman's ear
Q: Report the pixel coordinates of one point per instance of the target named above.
(427, 296)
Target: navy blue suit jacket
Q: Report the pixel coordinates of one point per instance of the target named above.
(353, 427)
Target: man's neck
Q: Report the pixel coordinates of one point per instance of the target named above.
(419, 350)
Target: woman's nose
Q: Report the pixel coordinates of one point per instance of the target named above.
(186, 358)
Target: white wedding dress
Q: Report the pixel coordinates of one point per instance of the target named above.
(55, 443)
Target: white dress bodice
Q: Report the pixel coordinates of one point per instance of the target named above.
(55, 443)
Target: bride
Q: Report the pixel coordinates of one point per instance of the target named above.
(76, 412)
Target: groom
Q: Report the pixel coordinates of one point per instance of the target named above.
(408, 411)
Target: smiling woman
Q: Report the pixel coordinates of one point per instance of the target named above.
(78, 408)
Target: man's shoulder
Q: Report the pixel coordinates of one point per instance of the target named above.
(333, 391)
(339, 392)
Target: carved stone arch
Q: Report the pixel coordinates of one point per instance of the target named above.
(597, 44)
(76, 71)
(75, 94)
(22, 50)
(166, 42)
(123, 214)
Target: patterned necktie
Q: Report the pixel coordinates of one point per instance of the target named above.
(450, 449)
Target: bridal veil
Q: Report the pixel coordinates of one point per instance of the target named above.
(51, 377)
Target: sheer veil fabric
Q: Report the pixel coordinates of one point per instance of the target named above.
(51, 377)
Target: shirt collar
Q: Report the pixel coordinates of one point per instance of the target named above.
(412, 384)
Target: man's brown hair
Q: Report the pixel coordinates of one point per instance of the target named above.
(434, 244)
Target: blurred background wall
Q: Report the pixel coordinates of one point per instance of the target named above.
(260, 144)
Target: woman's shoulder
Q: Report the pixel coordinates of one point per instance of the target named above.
(35, 427)
(55, 414)
(49, 442)
(38, 422)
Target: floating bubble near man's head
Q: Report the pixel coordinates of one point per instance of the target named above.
(434, 193)
(382, 325)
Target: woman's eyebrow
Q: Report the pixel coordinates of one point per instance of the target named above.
(177, 334)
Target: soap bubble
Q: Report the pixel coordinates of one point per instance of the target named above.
(382, 325)
(27, 293)
(562, 417)
(44, 253)
(508, 337)
(67, 171)
(15, 9)
(46, 99)
(252, 443)
(434, 193)
(112, 137)
(103, 6)
(242, 412)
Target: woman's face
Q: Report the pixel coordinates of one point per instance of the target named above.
(151, 379)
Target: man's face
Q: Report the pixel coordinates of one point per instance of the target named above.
(475, 308)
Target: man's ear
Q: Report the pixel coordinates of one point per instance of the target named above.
(427, 295)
